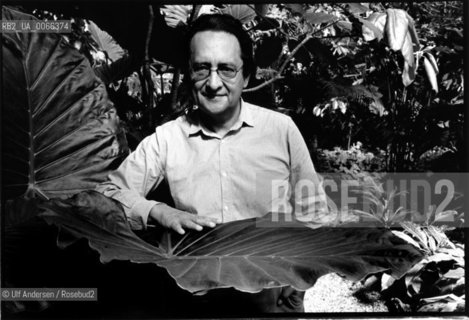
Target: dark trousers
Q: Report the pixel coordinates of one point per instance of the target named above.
(233, 302)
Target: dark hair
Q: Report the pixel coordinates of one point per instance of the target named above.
(228, 24)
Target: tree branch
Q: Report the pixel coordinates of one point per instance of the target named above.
(278, 76)
(282, 67)
(149, 31)
(264, 84)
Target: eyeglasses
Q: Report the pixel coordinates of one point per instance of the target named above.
(201, 71)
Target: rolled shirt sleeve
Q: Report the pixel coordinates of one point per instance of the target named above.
(139, 173)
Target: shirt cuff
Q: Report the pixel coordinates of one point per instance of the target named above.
(138, 214)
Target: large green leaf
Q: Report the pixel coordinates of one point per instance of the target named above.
(295, 8)
(106, 42)
(248, 255)
(60, 131)
(373, 26)
(358, 8)
(243, 12)
(402, 36)
(396, 28)
(318, 17)
(176, 15)
(431, 69)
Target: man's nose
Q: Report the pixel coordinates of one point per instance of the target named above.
(214, 82)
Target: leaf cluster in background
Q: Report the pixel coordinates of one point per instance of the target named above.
(353, 160)
(385, 74)
(435, 284)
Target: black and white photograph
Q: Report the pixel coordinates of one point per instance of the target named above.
(219, 160)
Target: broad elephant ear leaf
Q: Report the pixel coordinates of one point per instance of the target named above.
(106, 42)
(318, 17)
(358, 8)
(248, 255)
(176, 15)
(243, 12)
(61, 133)
(295, 8)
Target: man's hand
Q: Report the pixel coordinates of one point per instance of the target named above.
(178, 220)
(291, 298)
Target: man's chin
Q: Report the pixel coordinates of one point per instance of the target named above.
(214, 106)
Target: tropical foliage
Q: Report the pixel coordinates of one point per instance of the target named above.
(386, 74)
(437, 282)
(372, 87)
(62, 133)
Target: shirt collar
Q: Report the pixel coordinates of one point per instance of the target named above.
(245, 118)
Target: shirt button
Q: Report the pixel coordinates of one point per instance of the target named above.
(224, 174)
(225, 208)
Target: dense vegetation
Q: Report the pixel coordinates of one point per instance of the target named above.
(341, 72)
(373, 87)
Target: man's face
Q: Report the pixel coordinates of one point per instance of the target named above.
(217, 96)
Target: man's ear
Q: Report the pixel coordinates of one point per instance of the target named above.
(246, 81)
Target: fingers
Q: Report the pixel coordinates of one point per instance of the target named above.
(206, 222)
(177, 227)
(285, 293)
(178, 220)
(191, 225)
(197, 222)
(189, 221)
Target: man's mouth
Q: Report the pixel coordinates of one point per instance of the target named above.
(213, 96)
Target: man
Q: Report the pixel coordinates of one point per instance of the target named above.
(225, 160)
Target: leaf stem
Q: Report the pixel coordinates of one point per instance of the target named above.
(146, 67)
(278, 76)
